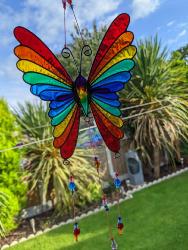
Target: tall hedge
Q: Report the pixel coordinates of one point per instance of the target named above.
(10, 170)
(9, 209)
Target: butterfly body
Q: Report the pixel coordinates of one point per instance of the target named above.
(82, 93)
(50, 81)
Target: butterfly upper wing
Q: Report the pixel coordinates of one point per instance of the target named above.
(50, 81)
(110, 71)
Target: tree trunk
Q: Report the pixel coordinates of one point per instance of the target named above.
(156, 163)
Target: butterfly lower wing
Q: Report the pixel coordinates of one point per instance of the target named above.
(110, 133)
(66, 133)
(49, 81)
(65, 116)
(110, 71)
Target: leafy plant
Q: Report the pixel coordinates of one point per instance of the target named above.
(10, 161)
(9, 208)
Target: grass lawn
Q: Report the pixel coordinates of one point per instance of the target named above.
(155, 219)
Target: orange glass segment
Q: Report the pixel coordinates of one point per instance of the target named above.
(26, 53)
(59, 141)
(115, 131)
(123, 41)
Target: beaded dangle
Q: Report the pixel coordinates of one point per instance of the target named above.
(114, 244)
(76, 231)
(72, 188)
(97, 164)
(118, 183)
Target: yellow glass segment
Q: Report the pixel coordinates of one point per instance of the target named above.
(122, 42)
(26, 53)
(114, 119)
(126, 53)
(59, 129)
(27, 66)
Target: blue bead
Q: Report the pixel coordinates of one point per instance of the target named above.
(72, 186)
(117, 183)
(119, 220)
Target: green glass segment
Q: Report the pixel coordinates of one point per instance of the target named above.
(85, 105)
(108, 108)
(59, 118)
(125, 65)
(36, 78)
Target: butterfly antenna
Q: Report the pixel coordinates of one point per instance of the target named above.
(66, 53)
(87, 51)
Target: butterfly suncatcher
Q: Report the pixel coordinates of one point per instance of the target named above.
(98, 94)
(69, 99)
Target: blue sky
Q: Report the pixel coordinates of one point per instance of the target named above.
(168, 18)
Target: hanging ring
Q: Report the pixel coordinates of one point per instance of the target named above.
(66, 53)
(66, 162)
(87, 119)
(117, 155)
(87, 50)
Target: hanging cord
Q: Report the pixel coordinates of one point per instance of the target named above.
(76, 20)
(64, 2)
(51, 138)
(65, 31)
(97, 165)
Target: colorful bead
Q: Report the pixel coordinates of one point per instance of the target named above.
(114, 244)
(76, 231)
(120, 225)
(72, 185)
(117, 181)
(97, 164)
(105, 203)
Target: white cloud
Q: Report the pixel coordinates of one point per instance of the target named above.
(178, 37)
(47, 18)
(170, 23)
(142, 8)
(182, 33)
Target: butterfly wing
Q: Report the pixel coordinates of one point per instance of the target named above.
(50, 81)
(110, 71)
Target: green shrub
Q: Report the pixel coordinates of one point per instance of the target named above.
(9, 208)
(95, 191)
(10, 171)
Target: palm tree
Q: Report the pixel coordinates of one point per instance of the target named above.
(46, 171)
(162, 83)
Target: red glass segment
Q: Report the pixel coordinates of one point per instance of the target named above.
(118, 27)
(112, 142)
(68, 148)
(27, 38)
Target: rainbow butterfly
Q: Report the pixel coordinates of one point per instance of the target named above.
(50, 81)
